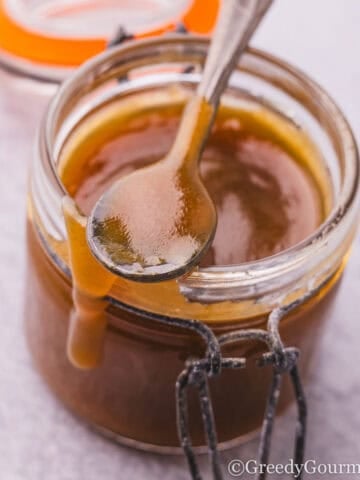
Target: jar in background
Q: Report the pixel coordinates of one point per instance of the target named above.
(131, 394)
(46, 40)
(42, 42)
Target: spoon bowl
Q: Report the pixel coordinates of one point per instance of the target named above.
(155, 223)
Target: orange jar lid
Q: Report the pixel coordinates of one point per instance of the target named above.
(63, 34)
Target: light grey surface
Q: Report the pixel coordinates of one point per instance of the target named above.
(38, 438)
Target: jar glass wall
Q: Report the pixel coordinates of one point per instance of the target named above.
(131, 393)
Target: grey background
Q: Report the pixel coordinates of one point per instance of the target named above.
(39, 439)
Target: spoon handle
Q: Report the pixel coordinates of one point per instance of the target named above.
(237, 21)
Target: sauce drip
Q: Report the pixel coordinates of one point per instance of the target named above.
(91, 282)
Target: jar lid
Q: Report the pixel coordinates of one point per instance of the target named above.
(46, 39)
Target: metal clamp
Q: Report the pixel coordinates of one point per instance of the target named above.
(196, 373)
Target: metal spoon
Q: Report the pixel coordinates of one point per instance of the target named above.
(157, 223)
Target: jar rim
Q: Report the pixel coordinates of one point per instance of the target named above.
(210, 282)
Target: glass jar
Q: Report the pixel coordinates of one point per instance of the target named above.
(131, 394)
(45, 40)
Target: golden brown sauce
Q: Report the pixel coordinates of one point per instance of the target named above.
(266, 199)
